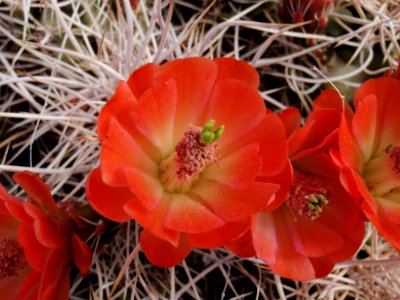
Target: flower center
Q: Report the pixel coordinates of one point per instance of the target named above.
(193, 153)
(12, 258)
(307, 197)
(382, 174)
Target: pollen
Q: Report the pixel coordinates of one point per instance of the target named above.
(192, 156)
(307, 197)
(179, 171)
(393, 151)
(12, 258)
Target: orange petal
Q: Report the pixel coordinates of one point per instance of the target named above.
(146, 188)
(349, 150)
(162, 253)
(155, 115)
(237, 169)
(236, 106)
(142, 79)
(153, 221)
(230, 68)
(234, 204)
(243, 245)
(270, 135)
(120, 151)
(218, 237)
(118, 107)
(106, 200)
(188, 215)
(194, 79)
(364, 126)
(81, 254)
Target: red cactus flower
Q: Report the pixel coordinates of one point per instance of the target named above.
(369, 155)
(46, 235)
(318, 224)
(297, 11)
(13, 264)
(163, 165)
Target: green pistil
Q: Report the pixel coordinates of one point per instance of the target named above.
(316, 202)
(208, 137)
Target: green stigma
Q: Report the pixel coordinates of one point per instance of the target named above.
(316, 202)
(208, 137)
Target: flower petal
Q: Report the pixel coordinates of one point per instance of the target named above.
(350, 153)
(38, 191)
(106, 200)
(237, 169)
(54, 283)
(81, 254)
(194, 79)
(187, 215)
(235, 204)
(364, 126)
(153, 221)
(35, 252)
(143, 79)
(236, 106)
(118, 107)
(219, 236)
(146, 188)
(50, 234)
(291, 119)
(162, 253)
(155, 115)
(120, 151)
(230, 68)
(30, 286)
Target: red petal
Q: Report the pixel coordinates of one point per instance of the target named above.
(30, 286)
(142, 79)
(18, 211)
(155, 116)
(121, 151)
(236, 106)
(194, 79)
(106, 200)
(243, 245)
(38, 191)
(153, 221)
(270, 135)
(146, 188)
(314, 239)
(54, 283)
(234, 204)
(237, 169)
(284, 179)
(118, 107)
(35, 253)
(274, 246)
(81, 254)
(230, 68)
(291, 119)
(349, 148)
(50, 234)
(187, 215)
(218, 237)
(162, 253)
